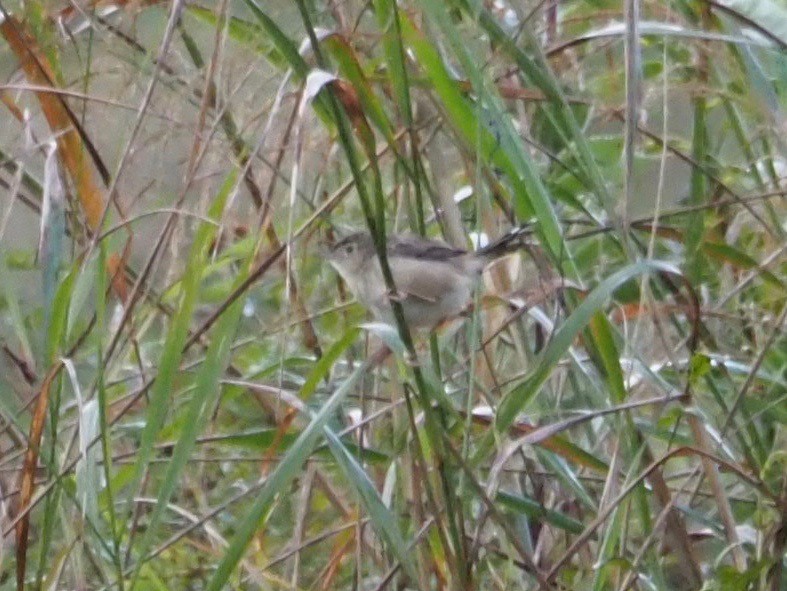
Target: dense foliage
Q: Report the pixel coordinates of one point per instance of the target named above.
(190, 398)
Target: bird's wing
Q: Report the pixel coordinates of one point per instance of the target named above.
(411, 281)
(422, 248)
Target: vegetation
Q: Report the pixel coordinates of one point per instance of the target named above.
(191, 400)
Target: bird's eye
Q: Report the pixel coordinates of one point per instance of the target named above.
(349, 249)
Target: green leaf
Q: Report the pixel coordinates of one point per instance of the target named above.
(241, 31)
(383, 521)
(172, 352)
(203, 399)
(535, 510)
(288, 468)
(604, 346)
(281, 42)
(516, 400)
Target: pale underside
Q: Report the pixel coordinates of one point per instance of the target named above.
(427, 298)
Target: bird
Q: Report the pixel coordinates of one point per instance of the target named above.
(433, 281)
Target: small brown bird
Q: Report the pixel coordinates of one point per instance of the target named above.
(434, 281)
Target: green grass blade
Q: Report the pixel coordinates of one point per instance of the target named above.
(504, 152)
(281, 477)
(535, 510)
(172, 352)
(383, 521)
(516, 400)
(206, 392)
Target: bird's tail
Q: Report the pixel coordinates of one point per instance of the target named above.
(515, 239)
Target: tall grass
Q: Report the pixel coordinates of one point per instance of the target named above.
(187, 398)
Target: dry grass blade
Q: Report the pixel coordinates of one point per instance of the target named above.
(71, 147)
(27, 475)
(72, 141)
